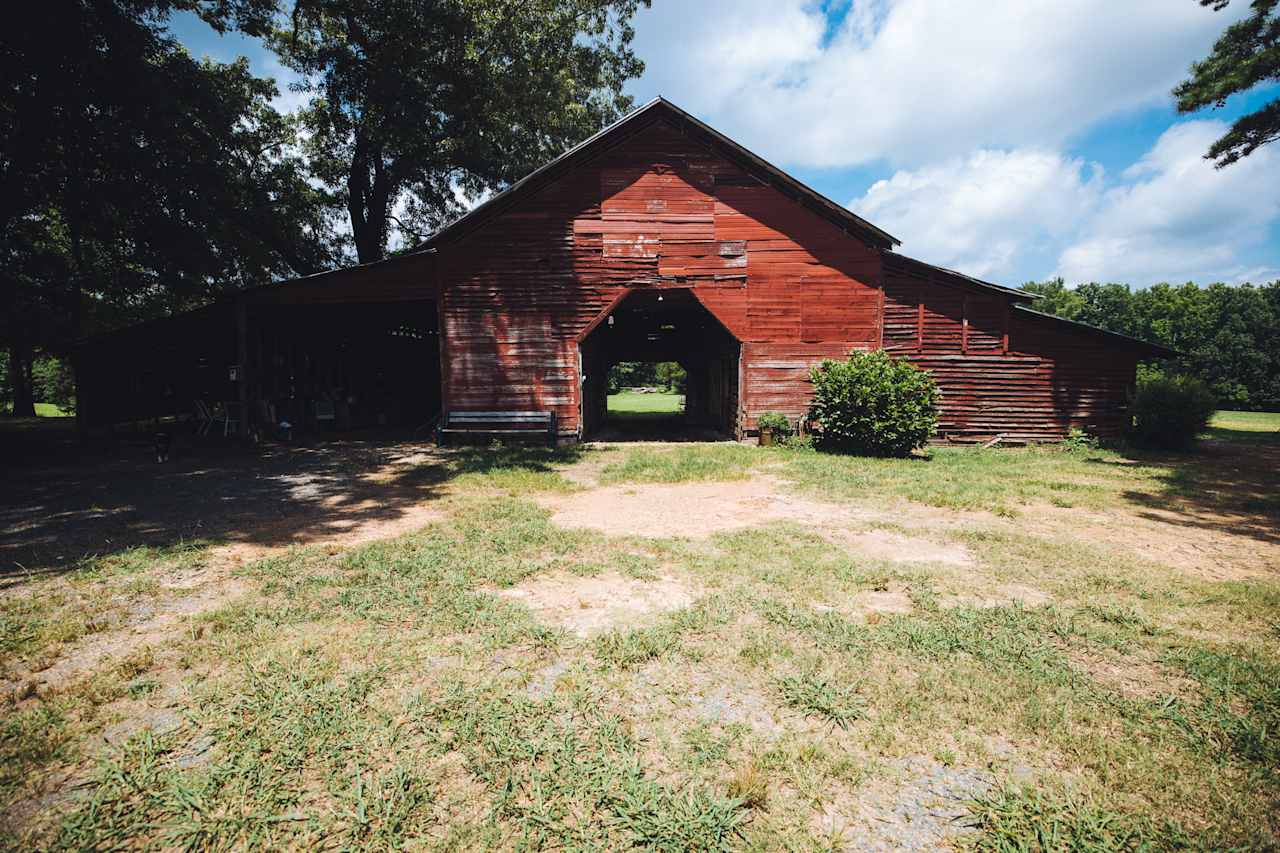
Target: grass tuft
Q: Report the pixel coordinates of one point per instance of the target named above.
(683, 464)
(1023, 819)
(817, 695)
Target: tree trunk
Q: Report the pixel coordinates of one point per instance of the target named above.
(368, 201)
(24, 403)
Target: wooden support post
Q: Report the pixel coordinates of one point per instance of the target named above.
(443, 345)
(242, 361)
(964, 324)
(1004, 330)
(880, 308)
(920, 324)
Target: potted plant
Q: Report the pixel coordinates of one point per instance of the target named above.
(774, 427)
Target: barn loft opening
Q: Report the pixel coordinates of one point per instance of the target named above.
(667, 326)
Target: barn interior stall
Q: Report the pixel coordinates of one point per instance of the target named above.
(654, 324)
(333, 355)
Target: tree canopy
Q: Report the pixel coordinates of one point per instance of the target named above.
(1246, 56)
(135, 179)
(1229, 336)
(417, 104)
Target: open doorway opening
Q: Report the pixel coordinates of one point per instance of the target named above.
(659, 366)
(646, 393)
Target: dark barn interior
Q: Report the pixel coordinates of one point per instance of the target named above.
(316, 367)
(339, 367)
(664, 324)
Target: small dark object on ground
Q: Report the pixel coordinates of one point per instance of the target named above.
(163, 444)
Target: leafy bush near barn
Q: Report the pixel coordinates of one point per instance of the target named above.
(1170, 411)
(873, 404)
(777, 422)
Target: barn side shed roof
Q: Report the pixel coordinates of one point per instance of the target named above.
(1146, 348)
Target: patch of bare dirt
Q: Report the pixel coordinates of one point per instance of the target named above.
(694, 510)
(1001, 595)
(897, 548)
(586, 606)
(879, 602)
(1201, 542)
(1135, 676)
(727, 698)
(923, 808)
(728, 705)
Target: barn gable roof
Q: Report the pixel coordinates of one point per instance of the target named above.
(661, 108)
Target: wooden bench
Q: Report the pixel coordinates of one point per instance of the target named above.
(497, 423)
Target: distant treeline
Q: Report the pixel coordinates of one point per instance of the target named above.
(647, 374)
(1229, 336)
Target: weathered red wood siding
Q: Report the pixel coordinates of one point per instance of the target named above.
(658, 209)
(1002, 370)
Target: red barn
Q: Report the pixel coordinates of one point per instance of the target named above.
(659, 239)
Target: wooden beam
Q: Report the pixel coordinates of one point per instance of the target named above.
(600, 317)
(443, 347)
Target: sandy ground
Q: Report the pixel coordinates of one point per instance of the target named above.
(701, 510)
(586, 606)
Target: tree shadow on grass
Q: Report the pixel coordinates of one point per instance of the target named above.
(57, 512)
(653, 426)
(1228, 484)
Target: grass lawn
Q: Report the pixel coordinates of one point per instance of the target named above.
(44, 410)
(635, 404)
(1008, 649)
(1263, 427)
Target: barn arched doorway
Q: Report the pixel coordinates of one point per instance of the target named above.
(662, 325)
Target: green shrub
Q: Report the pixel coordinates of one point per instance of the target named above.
(1170, 412)
(1078, 439)
(777, 422)
(873, 404)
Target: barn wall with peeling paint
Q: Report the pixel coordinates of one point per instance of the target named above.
(661, 200)
(659, 210)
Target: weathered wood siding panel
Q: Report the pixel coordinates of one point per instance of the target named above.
(1001, 370)
(657, 210)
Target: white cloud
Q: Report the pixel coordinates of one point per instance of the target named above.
(985, 213)
(1177, 218)
(1171, 216)
(915, 81)
(704, 54)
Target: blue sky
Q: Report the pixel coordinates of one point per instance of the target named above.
(1010, 139)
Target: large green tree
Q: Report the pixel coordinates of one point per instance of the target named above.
(1229, 336)
(1247, 56)
(135, 179)
(417, 103)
